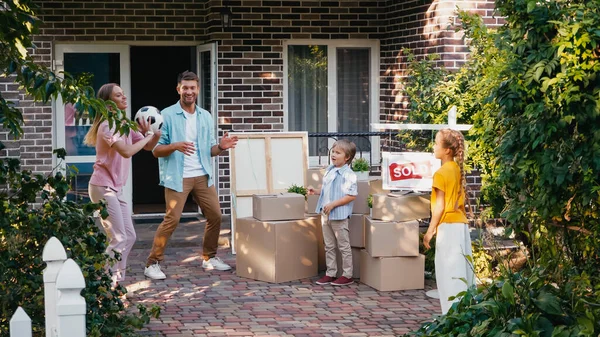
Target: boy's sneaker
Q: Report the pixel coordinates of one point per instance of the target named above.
(325, 280)
(215, 263)
(342, 281)
(153, 271)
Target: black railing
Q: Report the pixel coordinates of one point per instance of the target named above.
(386, 140)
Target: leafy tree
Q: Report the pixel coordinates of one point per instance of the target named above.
(33, 207)
(544, 149)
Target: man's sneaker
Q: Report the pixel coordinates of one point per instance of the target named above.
(325, 280)
(215, 263)
(342, 281)
(153, 271)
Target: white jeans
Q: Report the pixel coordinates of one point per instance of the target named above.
(452, 245)
(118, 226)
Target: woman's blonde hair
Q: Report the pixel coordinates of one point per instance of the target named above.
(103, 93)
(455, 142)
(348, 147)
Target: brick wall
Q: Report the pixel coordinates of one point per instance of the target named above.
(250, 53)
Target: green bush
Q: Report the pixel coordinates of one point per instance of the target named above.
(521, 304)
(360, 165)
(32, 210)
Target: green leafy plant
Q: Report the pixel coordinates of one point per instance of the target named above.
(360, 165)
(24, 230)
(298, 189)
(370, 201)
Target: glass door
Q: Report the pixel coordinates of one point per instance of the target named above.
(98, 65)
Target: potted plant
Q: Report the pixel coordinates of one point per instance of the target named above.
(361, 167)
(297, 189)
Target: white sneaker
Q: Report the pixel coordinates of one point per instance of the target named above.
(215, 263)
(154, 272)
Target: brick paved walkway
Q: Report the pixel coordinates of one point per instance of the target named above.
(199, 303)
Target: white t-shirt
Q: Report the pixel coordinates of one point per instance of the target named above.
(191, 164)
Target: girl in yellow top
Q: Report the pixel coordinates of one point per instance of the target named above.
(449, 219)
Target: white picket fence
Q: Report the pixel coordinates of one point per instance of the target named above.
(64, 306)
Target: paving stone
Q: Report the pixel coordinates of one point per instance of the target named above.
(200, 303)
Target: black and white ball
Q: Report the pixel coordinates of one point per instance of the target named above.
(152, 115)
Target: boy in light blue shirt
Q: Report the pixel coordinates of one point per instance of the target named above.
(335, 206)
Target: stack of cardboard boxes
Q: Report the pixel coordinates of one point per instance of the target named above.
(278, 243)
(391, 260)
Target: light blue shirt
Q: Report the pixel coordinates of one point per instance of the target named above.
(337, 183)
(173, 131)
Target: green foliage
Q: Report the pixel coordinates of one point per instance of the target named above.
(482, 261)
(429, 256)
(521, 304)
(548, 153)
(24, 230)
(370, 201)
(19, 24)
(297, 189)
(360, 165)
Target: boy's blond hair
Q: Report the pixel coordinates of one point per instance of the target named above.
(348, 147)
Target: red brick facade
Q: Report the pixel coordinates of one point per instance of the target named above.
(250, 53)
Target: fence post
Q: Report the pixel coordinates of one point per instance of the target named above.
(20, 324)
(54, 255)
(71, 305)
(452, 117)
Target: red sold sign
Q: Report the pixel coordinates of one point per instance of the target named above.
(414, 170)
(408, 170)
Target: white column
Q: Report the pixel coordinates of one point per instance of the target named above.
(54, 255)
(20, 324)
(71, 305)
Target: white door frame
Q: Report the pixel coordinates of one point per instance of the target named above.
(212, 48)
(332, 113)
(59, 115)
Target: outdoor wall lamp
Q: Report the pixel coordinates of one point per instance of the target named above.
(226, 16)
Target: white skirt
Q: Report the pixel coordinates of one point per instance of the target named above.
(452, 245)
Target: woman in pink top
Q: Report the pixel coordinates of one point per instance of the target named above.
(111, 169)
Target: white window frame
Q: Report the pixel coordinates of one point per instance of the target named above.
(332, 113)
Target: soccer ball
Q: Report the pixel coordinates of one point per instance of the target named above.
(152, 115)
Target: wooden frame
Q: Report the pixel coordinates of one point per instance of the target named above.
(264, 163)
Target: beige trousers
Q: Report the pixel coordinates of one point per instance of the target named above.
(336, 234)
(206, 197)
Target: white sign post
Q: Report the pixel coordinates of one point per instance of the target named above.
(408, 170)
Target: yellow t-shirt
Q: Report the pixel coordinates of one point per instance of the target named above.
(447, 179)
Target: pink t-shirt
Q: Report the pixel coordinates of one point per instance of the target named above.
(111, 169)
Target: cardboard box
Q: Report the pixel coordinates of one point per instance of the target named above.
(311, 203)
(392, 273)
(356, 227)
(376, 186)
(401, 207)
(314, 177)
(360, 203)
(387, 238)
(276, 251)
(276, 207)
(322, 265)
(355, 263)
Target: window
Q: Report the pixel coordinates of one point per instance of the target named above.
(332, 86)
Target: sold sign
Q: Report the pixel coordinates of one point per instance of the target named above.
(404, 171)
(408, 170)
